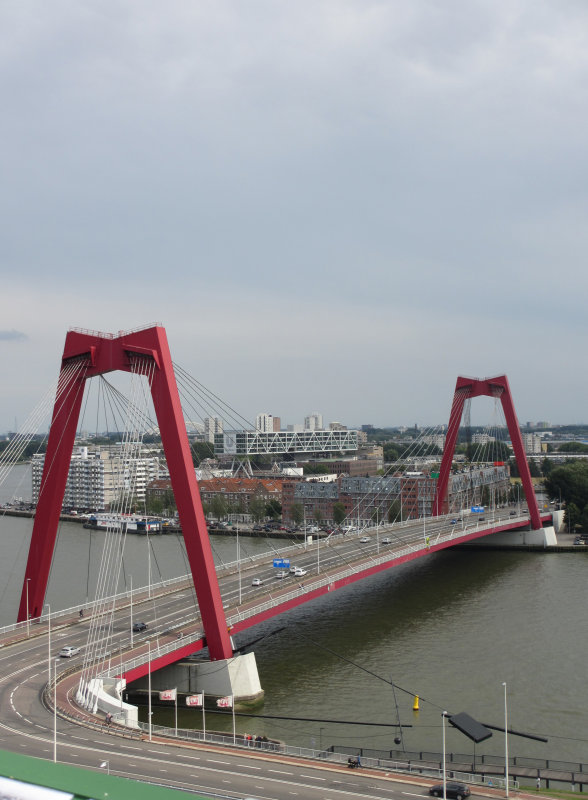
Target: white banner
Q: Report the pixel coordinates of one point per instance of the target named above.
(168, 694)
(225, 702)
(194, 700)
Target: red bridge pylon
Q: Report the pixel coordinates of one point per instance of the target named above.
(147, 352)
(489, 387)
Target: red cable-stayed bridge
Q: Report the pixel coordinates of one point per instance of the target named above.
(339, 562)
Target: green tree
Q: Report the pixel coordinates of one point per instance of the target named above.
(273, 509)
(571, 481)
(572, 517)
(317, 515)
(395, 511)
(316, 469)
(200, 451)
(391, 453)
(297, 513)
(339, 513)
(218, 506)
(547, 467)
(257, 508)
(573, 447)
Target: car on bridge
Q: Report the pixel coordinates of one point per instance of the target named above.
(257, 582)
(138, 627)
(282, 574)
(386, 540)
(299, 572)
(454, 522)
(364, 539)
(69, 651)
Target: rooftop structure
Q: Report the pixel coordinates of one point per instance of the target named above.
(254, 443)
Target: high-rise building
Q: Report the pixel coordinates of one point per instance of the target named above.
(313, 422)
(264, 423)
(212, 425)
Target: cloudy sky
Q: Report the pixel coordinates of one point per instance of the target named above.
(330, 206)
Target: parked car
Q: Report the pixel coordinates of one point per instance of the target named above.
(256, 582)
(452, 789)
(282, 574)
(68, 652)
(138, 627)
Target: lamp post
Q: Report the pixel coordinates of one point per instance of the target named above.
(321, 739)
(443, 715)
(149, 686)
(48, 640)
(55, 715)
(505, 743)
(28, 617)
(131, 578)
(239, 563)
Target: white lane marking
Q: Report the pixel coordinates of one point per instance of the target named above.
(280, 771)
(312, 777)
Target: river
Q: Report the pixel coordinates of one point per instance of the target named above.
(450, 628)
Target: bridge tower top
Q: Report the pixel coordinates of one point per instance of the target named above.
(498, 387)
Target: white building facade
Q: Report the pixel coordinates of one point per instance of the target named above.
(98, 476)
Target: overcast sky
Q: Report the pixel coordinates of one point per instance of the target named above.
(330, 206)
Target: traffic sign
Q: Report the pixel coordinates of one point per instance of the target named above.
(477, 509)
(281, 562)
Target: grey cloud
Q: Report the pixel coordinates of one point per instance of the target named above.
(12, 336)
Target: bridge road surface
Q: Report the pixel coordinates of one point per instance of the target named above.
(26, 726)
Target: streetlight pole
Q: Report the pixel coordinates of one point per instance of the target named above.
(443, 715)
(131, 577)
(505, 743)
(318, 553)
(55, 716)
(48, 640)
(239, 563)
(28, 616)
(149, 686)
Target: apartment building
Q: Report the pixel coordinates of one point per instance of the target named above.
(98, 476)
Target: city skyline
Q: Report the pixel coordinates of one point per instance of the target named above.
(335, 206)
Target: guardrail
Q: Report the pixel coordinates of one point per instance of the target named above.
(326, 756)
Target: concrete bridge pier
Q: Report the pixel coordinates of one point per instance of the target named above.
(235, 676)
(544, 537)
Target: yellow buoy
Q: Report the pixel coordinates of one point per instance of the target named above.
(415, 705)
